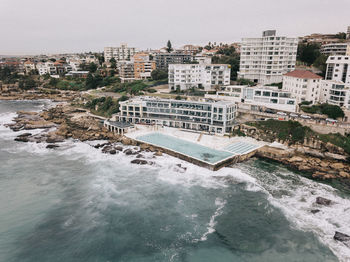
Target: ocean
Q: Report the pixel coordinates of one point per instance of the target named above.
(77, 204)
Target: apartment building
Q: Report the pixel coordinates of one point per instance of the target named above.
(29, 66)
(121, 53)
(143, 66)
(303, 85)
(164, 59)
(257, 98)
(335, 49)
(126, 71)
(206, 76)
(348, 33)
(338, 69)
(266, 59)
(214, 117)
(335, 93)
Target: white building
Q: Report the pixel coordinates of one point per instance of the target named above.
(119, 53)
(216, 117)
(338, 69)
(335, 49)
(257, 98)
(265, 59)
(46, 68)
(206, 76)
(335, 93)
(303, 85)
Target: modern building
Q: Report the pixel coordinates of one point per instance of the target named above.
(123, 52)
(348, 33)
(257, 98)
(213, 117)
(266, 59)
(206, 76)
(335, 49)
(338, 69)
(303, 85)
(164, 59)
(29, 66)
(335, 93)
(143, 66)
(126, 71)
(78, 74)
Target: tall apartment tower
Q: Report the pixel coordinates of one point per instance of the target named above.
(121, 53)
(348, 33)
(266, 59)
(338, 69)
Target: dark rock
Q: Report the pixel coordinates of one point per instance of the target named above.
(182, 167)
(24, 135)
(129, 152)
(323, 201)
(106, 149)
(341, 236)
(140, 156)
(139, 161)
(22, 139)
(314, 211)
(112, 152)
(119, 148)
(52, 146)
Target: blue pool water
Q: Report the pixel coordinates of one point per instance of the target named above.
(184, 147)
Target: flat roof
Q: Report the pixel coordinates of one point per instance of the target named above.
(120, 124)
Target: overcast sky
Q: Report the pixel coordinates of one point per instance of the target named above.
(52, 26)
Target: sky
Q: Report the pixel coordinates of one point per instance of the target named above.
(64, 26)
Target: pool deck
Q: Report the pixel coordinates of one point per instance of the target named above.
(241, 148)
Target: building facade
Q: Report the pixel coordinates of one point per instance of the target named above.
(121, 53)
(303, 85)
(164, 59)
(335, 49)
(213, 117)
(257, 98)
(264, 60)
(143, 66)
(335, 93)
(126, 71)
(206, 76)
(338, 69)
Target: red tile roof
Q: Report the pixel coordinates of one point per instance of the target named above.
(303, 74)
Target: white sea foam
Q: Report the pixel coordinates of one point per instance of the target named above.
(296, 195)
(220, 204)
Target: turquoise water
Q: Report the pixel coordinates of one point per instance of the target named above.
(184, 147)
(240, 147)
(75, 204)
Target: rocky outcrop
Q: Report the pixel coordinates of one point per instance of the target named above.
(319, 168)
(323, 201)
(341, 237)
(139, 162)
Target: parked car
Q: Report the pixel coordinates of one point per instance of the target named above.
(293, 115)
(330, 120)
(269, 111)
(305, 116)
(281, 113)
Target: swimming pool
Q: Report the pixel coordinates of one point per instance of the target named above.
(194, 150)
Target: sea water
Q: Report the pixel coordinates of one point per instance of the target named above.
(74, 203)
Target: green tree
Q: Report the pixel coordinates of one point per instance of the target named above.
(159, 74)
(308, 53)
(169, 47)
(341, 35)
(92, 67)
(332, 111)
(113, 63)
(320, 63)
